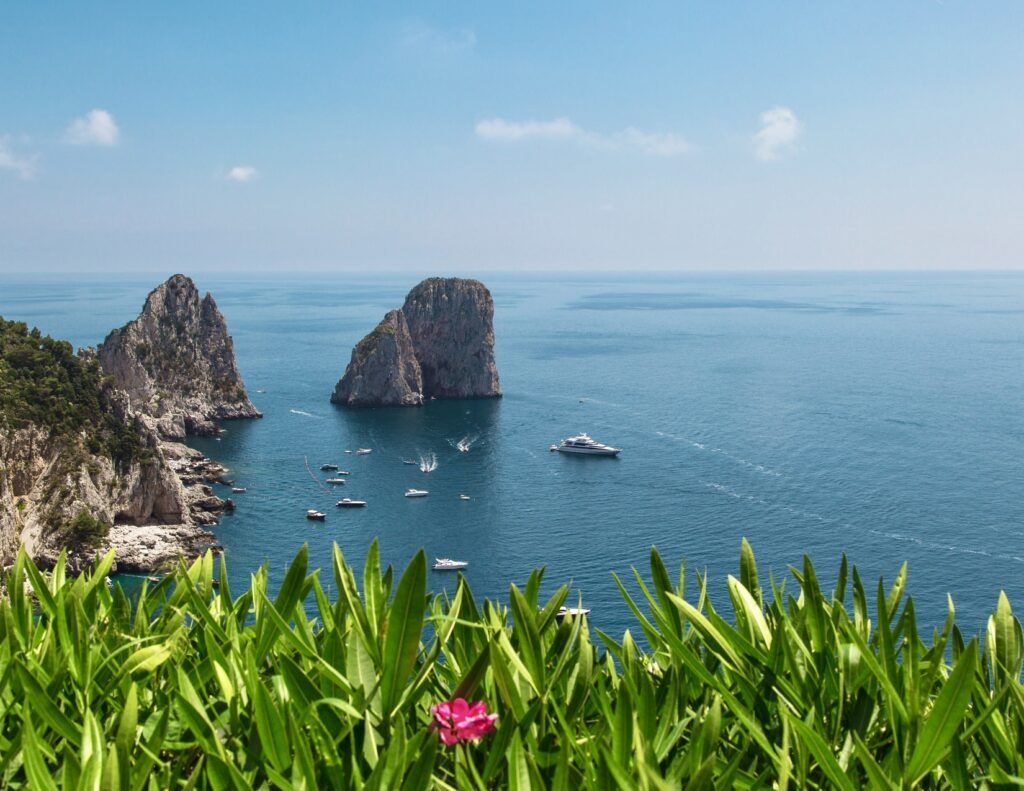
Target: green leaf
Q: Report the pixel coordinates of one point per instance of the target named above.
(404, 629)
(945, 717)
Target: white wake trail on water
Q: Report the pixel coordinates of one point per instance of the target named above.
(304, 414)
(751, 465)
(428, 462)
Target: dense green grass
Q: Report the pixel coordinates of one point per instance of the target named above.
(45, 384)
(191, 687)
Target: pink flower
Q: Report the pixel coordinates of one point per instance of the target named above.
(458, 721)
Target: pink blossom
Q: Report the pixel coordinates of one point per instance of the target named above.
(458, 721)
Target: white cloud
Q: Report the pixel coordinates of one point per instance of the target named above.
(242, 173)
(418, 35)
(778, 134)
(24, 167)
(95, 128)
(660, 144)
(500, 129)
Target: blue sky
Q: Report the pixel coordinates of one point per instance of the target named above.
(473, 137)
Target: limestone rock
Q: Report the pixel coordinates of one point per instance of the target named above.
(439, 345)
(176, 362)
(383, 370)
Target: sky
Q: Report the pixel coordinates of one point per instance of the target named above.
(462, 136)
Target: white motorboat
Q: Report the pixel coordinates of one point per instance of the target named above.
(344, 472)
(575, 612)
(447, 564)
(464, 497)
(238, 489)
(363, 451)
(345, 502)
(416, 492)
(336, 480)
(312, 513)
(582, 443)
(347, 450)
(413, 462)
(328, 466)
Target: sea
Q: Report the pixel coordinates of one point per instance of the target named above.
(873, 414)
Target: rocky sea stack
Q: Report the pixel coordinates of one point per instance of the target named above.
(176, 362)
(440, 344)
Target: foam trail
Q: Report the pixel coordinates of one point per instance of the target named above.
(304, 414)
(428, 462)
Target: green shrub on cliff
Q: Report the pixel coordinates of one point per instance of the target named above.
(44, 383)
(190, 687)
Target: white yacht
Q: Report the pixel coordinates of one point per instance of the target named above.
(336, 480)
(464, 497)
(582, 443)
(345, 502)
(447, 564)
(416, 492)
(328, 466)
(575, 612)
(238, 489)
(363, 451)
(312, 513)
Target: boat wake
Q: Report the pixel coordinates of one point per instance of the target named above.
(300, 412)
(760, 468)
(428, 462)
(464, 444)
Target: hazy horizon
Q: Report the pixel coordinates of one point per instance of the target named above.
(459, 138)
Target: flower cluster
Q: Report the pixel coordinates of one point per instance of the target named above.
(458, 721)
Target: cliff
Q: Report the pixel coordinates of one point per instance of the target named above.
(79, 470)
(176, 362)
(440, 344)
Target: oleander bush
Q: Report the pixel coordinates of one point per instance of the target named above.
(187, 686)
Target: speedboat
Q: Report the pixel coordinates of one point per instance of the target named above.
(416, 492)
(410, 461)
(312, 513)
(345, 502)
(347, 450)
(582, 443)
(575, 612)
(238, 489)
(328, 466)
(447, 564)
(336, 480)
(363, 451)
(344, 472)
(464, 497)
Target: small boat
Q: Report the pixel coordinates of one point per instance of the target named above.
(215, 583)
(345, 502)
(464, 497)
(347, 450)
(329, 466)
(447, 564)
(154, 580)
(238, 489)
(575, 612)
(336, 480)
(344, 472)
(462, 446)
(410, 461)
(363, 451)
(312, 513)
(416, 492)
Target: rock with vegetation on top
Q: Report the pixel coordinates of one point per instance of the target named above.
(176, 362)
(439, 345)
(384, 369)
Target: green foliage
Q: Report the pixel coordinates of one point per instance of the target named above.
(88, 530)
(190, 687)
(44, 383)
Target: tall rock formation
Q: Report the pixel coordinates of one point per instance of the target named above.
(176, 362)
(439, 345)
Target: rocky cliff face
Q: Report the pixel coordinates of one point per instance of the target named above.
(176, 362)
(55, 494)
(439, 345)
(384, 369)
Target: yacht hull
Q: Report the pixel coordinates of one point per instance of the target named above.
(590, 451)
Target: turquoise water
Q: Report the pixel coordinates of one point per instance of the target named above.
(878, 415)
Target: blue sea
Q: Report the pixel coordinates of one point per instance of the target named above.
(878, 415)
